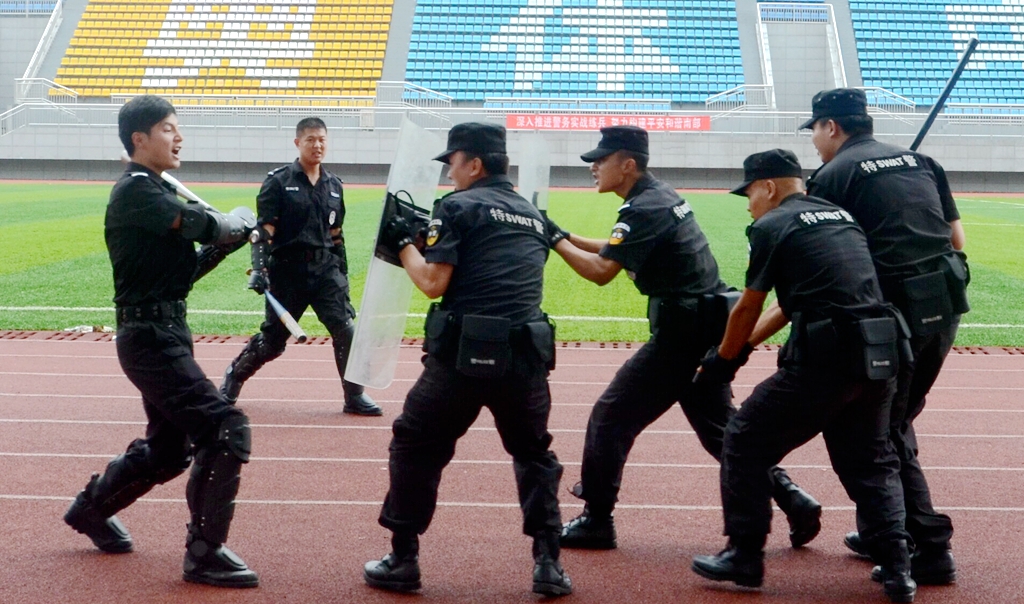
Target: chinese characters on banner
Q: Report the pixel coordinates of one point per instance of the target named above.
(547, 121)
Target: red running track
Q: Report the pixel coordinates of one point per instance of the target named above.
(306, 519)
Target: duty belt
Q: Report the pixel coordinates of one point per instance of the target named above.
(156, 311)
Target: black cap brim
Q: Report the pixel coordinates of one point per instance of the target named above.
(443, 158)
(596, 154)
(742, 189)
(809, 123)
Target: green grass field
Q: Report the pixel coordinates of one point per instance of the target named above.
(55, 272)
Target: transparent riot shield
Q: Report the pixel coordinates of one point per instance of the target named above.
(388, 290)
(534, 169)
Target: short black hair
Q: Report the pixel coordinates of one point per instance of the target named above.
(140, 115)
(493, 163)
(854, 125)
(640, 159)
(309, 123)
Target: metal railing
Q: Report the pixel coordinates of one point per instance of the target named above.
(750, 121)
(521, 103)
(793, 12)
(45, 41)
(27, 8)
(27, 90)
(749, 97)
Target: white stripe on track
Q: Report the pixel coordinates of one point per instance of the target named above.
(472, 429)
(482, 504)
(497, 462)
(260, 313)
(410, 380)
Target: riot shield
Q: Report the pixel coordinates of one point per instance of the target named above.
(534, 170)
(381, 323)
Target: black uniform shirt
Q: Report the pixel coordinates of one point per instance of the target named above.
(151, 262)
(901, 199)
(302, 214)
(497, 242)
(815, 256)
(658, 241)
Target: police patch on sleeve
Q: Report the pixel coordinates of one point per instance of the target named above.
(619, 232)
(330, 219)
(433, 231)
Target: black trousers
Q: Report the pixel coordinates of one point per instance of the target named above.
(440, 408)
(927, 527)
(658, 376)
(182, 406)
(787, 410)
(298, 285)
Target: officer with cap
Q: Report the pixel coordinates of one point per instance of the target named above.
(488, 344)
(298, 254)
(660, 245)
(150, 236)
(816, 258)
(902, 199)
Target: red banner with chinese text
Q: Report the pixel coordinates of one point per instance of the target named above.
(654, 123)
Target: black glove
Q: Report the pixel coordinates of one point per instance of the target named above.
(259, 281)
(555, 232)
(398, 233)
(715, 369)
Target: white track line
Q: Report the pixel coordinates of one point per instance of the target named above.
(498, 462)
(480, 504)
(260, 313)
(647, 432)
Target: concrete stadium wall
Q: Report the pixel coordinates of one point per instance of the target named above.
(18, 39)
(688, 160)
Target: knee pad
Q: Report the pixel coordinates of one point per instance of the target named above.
(234, 435)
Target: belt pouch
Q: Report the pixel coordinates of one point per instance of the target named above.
(958, 275)
(435, 330)
(714, 315)
(880, 356)
(929, 309)
(484, 349)
(542, 336)
(822, 343)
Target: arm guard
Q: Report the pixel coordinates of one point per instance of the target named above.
(260, 240)
(212, 227)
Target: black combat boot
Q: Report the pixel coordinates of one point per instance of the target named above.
(802, 511)
(856, 544)
(214, 564)
(399, 570)
(740, 562)
(590, 530)
(894, 571)
(928, 566)
(256, 354)
(549, 578)
(356, 401)
(106, 532)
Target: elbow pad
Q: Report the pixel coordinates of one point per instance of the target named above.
(195, 223)
(229, 228)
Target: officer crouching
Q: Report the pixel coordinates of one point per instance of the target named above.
(488, 345)
(836, 374)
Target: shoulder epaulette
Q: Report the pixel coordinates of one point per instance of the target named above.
(276, 170)
(138, 174)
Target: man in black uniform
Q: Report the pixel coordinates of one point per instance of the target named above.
(661, 246)
(298, 254)
(836, 374)
(488, 344)
(150, 237)
(903, 201)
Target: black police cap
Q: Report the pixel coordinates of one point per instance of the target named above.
(777, 163)
(840, 102)
(475, 138)
(617, 138)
